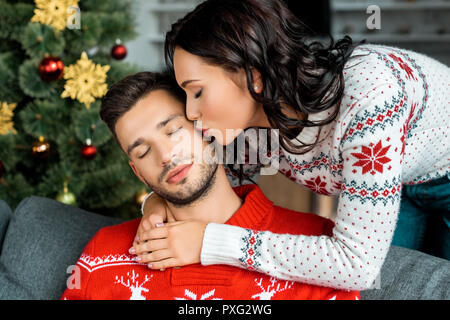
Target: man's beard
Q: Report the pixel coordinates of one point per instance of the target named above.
(192, 193)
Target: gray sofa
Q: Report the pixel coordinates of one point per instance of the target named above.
(43, 237)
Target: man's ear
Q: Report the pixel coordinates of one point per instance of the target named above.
(136, 172)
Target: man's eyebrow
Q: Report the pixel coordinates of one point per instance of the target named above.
(159, 126)
(135, 144)
(162, 124)
(185, 83)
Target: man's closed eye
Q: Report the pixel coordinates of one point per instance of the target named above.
(145, 153)
(172, 132)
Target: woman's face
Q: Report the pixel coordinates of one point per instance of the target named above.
(218, 98)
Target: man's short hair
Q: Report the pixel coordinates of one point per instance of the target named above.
(123, 95)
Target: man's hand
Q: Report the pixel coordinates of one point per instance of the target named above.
(173, 244)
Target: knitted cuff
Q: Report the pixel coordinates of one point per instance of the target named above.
(222, 245)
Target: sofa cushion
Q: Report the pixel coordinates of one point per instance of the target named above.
(11, 288)
(43, 239)
(5, 216)
(411, 275)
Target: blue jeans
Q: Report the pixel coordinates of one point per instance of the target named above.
(424, 218)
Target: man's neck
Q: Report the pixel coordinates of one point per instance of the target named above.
(217, 206)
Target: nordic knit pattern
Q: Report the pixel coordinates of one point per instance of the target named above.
(107, 271)
(392, 129)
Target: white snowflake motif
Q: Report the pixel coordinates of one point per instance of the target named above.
(189, 295)
(270, 291)
(135, 288)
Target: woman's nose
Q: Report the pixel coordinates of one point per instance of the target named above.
(192, 113)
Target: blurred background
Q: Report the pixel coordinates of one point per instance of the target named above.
(52, 142)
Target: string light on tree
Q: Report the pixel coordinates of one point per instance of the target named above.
(41, 148)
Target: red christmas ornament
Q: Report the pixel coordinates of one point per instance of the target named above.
(119, 52)
(89, 151)
(51, 68)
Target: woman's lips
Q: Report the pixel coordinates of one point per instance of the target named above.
(180, 174)
(207, 134)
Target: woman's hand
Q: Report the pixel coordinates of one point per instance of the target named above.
(174, 244)
(155, 213)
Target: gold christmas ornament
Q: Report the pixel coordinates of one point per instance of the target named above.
(41, 148)
(6, 115)
(54, 12)
(66, 197)
(85, 81)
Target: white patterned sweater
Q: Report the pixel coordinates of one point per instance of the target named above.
(392, 129)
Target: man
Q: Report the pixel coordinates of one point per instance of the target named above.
(145, 112)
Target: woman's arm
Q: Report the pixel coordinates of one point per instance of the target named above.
(369, 202)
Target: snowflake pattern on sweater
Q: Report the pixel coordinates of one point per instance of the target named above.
(392, 129)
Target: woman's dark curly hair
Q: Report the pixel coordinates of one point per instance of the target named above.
(296, 70)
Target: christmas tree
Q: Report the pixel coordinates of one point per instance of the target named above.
(57, 59)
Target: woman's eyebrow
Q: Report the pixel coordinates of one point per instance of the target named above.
(185, 83)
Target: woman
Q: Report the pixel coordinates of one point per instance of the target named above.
(362, 122)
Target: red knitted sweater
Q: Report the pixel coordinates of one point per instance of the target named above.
(105, 270)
